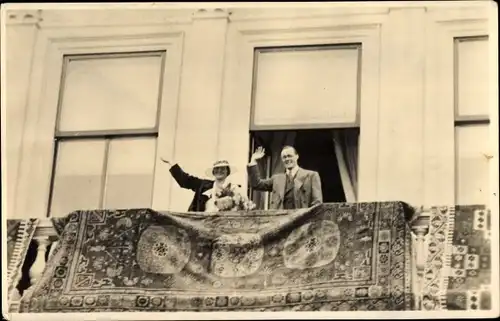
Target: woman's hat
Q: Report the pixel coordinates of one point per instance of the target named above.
(221, 163)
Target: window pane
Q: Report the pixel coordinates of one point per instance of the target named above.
(110, 93)
(472, 77)
(130, 173)
(78, 176)
(291, 83)
(472, 164)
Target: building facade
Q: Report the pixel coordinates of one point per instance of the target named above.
(95, 99)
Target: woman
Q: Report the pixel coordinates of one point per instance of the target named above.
(212, 195)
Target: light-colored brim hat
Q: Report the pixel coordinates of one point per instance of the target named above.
(221, 163)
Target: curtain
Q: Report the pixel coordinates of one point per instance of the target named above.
(273, 142)
(279, 140)
(346, 150)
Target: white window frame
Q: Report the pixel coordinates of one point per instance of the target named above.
(53, 44)
(464, 120)
(444, 27)
(105, 135)
(247, 35)
(334, 125)
(297, 126)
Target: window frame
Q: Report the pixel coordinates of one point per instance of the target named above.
(315, 47)
(245, 36)
(107, 141)
(463, 120)
(103, 135)
(37, 147)
(444, 25)
(336, 125)
(110, 55)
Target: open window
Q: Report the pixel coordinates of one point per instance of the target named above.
(333, 153)
(308, 97)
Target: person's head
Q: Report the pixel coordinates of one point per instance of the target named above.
(289, 157)
(221, 170)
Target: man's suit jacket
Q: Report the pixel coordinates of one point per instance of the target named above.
(307, 187)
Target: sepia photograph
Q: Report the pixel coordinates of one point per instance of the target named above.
(171, 161)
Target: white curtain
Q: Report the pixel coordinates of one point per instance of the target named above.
(346, 150)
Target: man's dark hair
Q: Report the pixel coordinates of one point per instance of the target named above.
(291, 147)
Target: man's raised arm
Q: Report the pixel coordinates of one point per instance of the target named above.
(254, 174)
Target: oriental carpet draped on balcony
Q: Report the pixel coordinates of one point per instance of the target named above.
(330, 257)
(457, 274)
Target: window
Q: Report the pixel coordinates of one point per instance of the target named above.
(471, 67)
(291, 82)
(308, 97)
(333, 153)
(106, 130)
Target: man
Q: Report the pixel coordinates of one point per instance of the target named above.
(296, 188)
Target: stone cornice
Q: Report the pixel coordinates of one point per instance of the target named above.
(108, 17)
(211, 13)
(23, 17)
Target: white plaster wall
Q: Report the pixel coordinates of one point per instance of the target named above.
(19, 42)
(402, 79)
(209, 111)
(200, 99)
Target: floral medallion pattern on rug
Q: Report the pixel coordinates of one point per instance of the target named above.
(332, 257)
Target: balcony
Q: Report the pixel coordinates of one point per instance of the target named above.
(424, 254)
